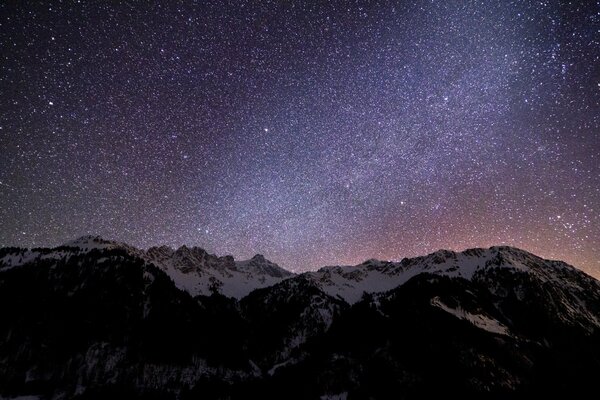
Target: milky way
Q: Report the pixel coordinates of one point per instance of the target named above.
(314, 134)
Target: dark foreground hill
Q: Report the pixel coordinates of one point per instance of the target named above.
(95, 319)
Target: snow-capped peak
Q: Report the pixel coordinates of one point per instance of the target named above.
(89, 242)
(20, 256)
(372, 276)
(192, 269)
(195, 270)
(198, 272)
(260, 265)
(259, 258)
(85, 240)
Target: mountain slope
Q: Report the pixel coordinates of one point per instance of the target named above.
(192, 269)
(373, 276)
(200, 273)
(96, 318)
(442, 336)
(106, 319)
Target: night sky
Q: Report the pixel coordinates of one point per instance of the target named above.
(314, 134)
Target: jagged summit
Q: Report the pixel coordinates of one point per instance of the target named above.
(372, 276)
(189, 259)
(259, 264)
(195, 270)
(198, 272)
(192, 269)
(373, 262)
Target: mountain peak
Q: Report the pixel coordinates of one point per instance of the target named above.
(372, 276)
(259, 258)
(371, 261)
(195, 270)
(85, 239)
(90, 242)
(260, 265)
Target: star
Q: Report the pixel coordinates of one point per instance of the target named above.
(317, 134)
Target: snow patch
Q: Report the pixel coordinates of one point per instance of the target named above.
(339, 396)
(479, 320)
(279, 365)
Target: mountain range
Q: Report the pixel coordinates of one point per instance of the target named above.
(95, 318)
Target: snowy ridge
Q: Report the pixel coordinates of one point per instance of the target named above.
(192, 269)
(90, 242)
(15, 257)
(351, 282)
(200, 273)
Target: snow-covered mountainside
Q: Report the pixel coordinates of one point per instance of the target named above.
(192, 269)
(95, 318)
(373, 276)
(199, 273)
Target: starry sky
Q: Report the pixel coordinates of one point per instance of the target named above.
(313, 133)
